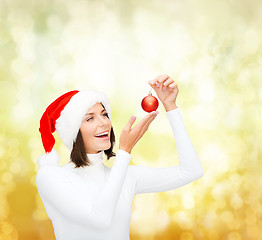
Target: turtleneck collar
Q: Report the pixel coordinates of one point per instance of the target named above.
(96, 159)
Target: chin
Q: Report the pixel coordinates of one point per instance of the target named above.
(105, 148)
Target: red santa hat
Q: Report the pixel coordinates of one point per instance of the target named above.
(65, 115)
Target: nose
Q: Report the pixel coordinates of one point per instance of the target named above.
(102, 121)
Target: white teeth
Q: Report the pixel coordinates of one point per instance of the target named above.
(105, 133)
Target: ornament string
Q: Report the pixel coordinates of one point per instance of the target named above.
(150, 92)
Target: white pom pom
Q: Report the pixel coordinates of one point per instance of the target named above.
(51, 158)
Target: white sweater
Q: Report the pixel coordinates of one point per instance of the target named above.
(94, 202)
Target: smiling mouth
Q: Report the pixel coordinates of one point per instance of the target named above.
(103, 136)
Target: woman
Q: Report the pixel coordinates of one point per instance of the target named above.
(84, 198)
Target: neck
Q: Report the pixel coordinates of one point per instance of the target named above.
(95, 159)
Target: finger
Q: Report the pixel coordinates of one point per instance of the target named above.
(151, 117)
(130, 122)
(147, 120)
(168, 82)
(142, 127)
(172, 85)
(156, 87)
(159, 78)
(151, 83)
(163, 78)
(146, 126)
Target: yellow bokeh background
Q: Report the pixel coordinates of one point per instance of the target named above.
(212, 49)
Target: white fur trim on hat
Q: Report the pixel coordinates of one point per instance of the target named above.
(69, 122)
(51, 158)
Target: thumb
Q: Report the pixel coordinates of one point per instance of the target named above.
(152, 85)
(131, 121)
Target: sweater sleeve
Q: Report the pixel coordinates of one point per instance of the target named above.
(56, 189)
(149, 180)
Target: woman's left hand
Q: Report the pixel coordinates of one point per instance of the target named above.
(166, 90)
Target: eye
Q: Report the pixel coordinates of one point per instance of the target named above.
(105, 114)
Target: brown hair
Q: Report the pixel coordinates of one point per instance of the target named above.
(78, 154)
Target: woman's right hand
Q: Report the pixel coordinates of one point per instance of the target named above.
(129, 137)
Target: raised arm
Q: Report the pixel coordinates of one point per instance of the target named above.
(150, 180)
(57, 189)
(189, 168)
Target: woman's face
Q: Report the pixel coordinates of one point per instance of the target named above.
(94, 123)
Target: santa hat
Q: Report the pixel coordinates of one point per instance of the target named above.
(65, 115)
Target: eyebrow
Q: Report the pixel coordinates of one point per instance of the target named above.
(93, 113)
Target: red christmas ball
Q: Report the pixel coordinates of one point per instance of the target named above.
(149, 103)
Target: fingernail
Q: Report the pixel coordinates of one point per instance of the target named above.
(133, 117)
(152, 82)
(164, 88)
(156, 113)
